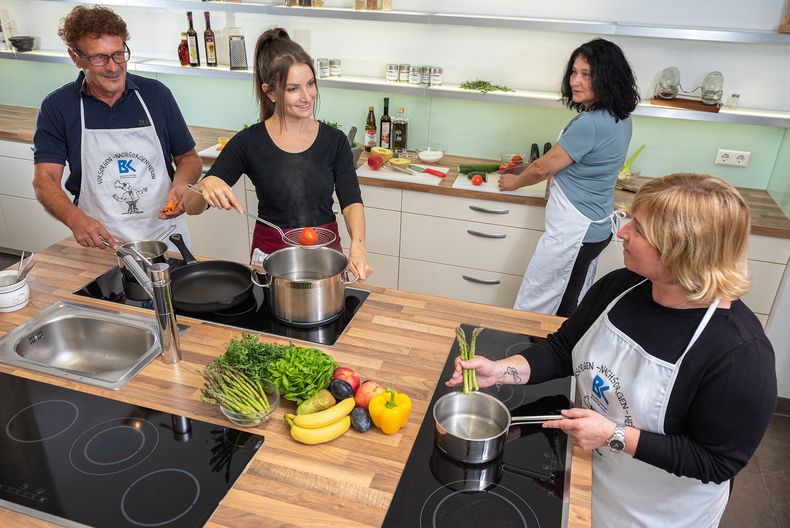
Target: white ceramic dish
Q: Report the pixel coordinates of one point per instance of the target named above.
(13, 296)
(430, 153)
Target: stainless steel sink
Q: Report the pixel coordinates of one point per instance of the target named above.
(82, 343)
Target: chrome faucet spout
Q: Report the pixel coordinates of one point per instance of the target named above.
(157, 285)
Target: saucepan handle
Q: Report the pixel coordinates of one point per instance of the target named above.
(516, 420)
(348, 272)
(253, 277)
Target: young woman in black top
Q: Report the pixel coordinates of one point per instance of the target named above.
(294, 162)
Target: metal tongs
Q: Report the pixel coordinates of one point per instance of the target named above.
(25, 265)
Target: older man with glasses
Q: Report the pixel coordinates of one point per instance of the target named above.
(116, 131)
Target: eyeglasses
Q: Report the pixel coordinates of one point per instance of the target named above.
(119, 57)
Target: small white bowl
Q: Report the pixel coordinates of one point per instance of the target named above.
(430, 153)
(13, 296)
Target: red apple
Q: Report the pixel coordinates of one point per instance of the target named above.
(348, 375)
(365, 392)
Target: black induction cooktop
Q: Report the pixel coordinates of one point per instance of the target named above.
(77, 459)
(252, 314)
(527, 486)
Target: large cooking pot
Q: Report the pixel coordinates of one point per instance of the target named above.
(473, 428)
(306, 285)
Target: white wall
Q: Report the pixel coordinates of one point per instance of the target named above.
(518, 58)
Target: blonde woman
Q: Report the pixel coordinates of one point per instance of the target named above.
(294, 162)
(675, 373)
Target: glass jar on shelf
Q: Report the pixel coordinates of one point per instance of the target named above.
(372, 5)
(359, 5)
(183, 50)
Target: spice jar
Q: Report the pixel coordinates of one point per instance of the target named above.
(436, 76)
(386, 5)
(392, 73)
(322, 65)
(359, 5)
(425, 75)
(183, 51)
(414, 75)
(291, 3)
(334, 67)
(372, 5)
(403, 73)
(732, 102)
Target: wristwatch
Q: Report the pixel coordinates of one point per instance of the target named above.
(617, 441)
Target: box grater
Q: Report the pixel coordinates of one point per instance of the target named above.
(237, 49)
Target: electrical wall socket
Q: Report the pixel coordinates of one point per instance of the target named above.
(735, 158)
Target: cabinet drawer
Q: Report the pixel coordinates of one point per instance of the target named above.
(467, 244)
(766, 278)
(382, 231)
(16, 149)
(769, 249)
(17, 177)
(457, 282)
(482, 211)
(381, 197)
(385, 271)
(30, 226)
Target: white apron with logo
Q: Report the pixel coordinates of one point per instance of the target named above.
(551, 265)
(125, 180)
(617, 378)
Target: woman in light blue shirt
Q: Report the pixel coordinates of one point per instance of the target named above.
(584, 163)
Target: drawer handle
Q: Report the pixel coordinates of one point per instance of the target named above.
(480, 281)
(485, 235)
(489, 211)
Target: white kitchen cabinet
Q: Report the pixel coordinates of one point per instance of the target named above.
(27, 225)
(767, 260)
(220, 234)
(457, 282)
(466, 248)
(30, 226)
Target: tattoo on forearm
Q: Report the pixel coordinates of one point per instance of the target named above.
(513, 372)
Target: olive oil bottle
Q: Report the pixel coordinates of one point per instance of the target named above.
(370, 130)
(400, 129)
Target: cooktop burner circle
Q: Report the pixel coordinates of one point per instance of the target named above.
(144, 504)
(26, 427)
(113, 446)
(448, 508)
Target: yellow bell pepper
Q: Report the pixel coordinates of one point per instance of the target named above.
(389, 410)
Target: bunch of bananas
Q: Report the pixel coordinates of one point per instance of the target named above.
(322, 426)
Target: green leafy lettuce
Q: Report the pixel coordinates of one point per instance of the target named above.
(300, 372)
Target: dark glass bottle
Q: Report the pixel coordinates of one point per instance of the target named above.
(385, 127)
(370, 130)
(534, 152)
(400, 129)
(192, 43)
(208, 39)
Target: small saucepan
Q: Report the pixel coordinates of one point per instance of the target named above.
(154, 250)
(473, 428)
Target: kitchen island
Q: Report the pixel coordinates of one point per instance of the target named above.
(398, 338)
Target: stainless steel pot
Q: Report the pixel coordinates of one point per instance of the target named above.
(154, 250)
(306, 285)
(473, 428)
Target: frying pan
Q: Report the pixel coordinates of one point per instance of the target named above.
(208, 286)
(473, 428)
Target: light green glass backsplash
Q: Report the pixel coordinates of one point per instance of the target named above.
(473, 128)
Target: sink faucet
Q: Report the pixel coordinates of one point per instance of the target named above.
(157, 286)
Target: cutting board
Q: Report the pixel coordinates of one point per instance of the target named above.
(537, 191)
(210, 152)
(386, 173)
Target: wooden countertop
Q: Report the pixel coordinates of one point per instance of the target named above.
(18, 124)
(397, 337)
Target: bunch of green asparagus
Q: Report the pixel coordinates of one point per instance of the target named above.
(235, 391)
(467, 353)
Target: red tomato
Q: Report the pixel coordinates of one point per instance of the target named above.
(308, 237)
(375, 162)
(477, 180)
(517, 159)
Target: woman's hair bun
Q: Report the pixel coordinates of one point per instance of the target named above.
(275, 34)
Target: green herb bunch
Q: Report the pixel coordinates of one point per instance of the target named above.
(484, 86)
(249, 356)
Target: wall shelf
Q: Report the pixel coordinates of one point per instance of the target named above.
(742, 116)
(540, 24)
